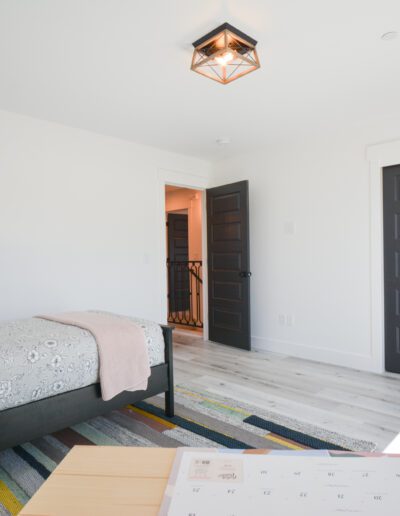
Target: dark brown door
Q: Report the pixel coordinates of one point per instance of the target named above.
(391, 233)
(229, 264)
(178, 255)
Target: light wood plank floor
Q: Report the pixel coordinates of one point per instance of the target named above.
(355, 403)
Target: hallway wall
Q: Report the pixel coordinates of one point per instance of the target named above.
(191, 200)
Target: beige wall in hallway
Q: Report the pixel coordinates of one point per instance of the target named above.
(191, 200)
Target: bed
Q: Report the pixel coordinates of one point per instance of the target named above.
(49, 377)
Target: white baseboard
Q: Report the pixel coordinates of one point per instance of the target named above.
(329, 356)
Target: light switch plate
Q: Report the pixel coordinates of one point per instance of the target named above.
(289, 227)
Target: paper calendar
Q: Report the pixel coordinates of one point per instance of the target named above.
(235, 483)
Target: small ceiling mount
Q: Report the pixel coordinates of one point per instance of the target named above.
(388, 36)
(223, 140)
(225, 54)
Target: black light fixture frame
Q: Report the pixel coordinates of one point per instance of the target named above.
(224, 26)
(209, 51)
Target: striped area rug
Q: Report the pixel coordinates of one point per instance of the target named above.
(200, 420)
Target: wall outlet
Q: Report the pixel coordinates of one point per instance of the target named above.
(282, 319)
(286, 319)
(289, 320)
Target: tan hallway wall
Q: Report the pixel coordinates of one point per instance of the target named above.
(191, 200)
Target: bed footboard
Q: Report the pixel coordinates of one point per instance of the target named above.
(169, 394)
(27, 422)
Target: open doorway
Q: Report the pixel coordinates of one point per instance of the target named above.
(184, 233)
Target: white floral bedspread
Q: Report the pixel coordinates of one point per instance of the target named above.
(40, 358)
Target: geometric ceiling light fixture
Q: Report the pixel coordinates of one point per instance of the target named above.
(225, 54)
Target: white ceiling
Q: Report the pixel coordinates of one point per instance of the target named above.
(121, 68)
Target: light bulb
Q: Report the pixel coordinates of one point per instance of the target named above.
(226, 58)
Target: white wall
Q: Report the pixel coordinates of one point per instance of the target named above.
(310, 248)
(80, 220)
(80, 228)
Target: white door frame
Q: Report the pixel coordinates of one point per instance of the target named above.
(184, 180)
(379, 156)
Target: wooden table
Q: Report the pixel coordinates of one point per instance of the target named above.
(105, 481)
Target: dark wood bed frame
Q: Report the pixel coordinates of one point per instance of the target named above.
(27, 422)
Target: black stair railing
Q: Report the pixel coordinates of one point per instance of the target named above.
(185, 292)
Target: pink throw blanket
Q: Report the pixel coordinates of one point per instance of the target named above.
(123, 355)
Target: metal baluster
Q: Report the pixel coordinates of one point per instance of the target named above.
(181, 274)
(198, 295)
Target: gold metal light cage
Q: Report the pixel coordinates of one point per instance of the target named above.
(225, 54)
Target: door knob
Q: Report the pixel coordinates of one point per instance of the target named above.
(244, 274)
